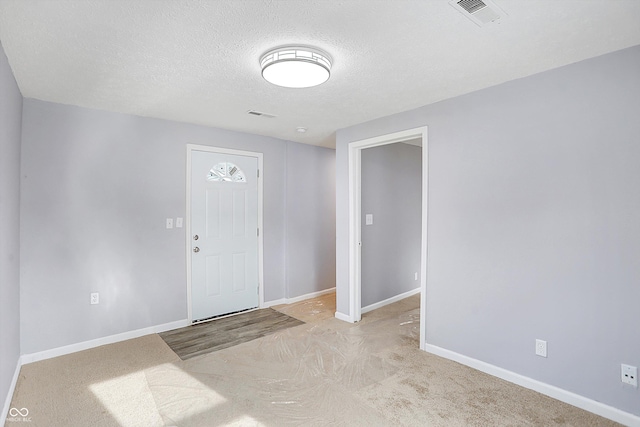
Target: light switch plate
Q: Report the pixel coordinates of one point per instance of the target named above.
(178, 222)
(169, 222)
(368, 219)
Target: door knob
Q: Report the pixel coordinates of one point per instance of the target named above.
(196, 249)
(196, 237)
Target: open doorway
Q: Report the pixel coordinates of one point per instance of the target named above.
(391, 196)
(356, 217)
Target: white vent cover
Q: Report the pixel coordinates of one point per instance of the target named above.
(481, 12)
(260, 114)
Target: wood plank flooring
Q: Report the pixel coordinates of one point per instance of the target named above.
(203, 338)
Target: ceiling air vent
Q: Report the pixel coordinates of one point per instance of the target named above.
(260, 114)
(481, 12)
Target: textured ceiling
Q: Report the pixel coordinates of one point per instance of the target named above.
(197, 61)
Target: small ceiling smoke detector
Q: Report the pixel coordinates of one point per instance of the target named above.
(301, 129)
(481, 12)
(296, 66)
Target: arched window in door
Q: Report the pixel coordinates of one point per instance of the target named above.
(226, 172)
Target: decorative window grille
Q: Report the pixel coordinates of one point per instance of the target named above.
(226, 172)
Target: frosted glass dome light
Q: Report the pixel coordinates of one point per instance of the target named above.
(296, 66)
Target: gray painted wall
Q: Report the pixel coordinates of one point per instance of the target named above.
(10, 128)
(96, 189)
(392, 192)
(310, 221)
(533, 223)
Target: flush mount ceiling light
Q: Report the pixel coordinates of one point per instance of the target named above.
(296, 66)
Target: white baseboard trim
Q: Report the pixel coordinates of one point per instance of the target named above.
(268, 304)
(344, 317)
(389, 300)
(85, 345)
(562, 395)
(12, 388)
(298, 299)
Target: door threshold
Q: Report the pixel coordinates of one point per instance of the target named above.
(222, 316)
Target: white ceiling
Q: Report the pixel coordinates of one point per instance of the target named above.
(197, 61)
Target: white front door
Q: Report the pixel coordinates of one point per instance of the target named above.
(224, 234)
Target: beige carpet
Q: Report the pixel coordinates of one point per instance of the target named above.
(325, 372)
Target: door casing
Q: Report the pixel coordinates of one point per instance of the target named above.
(188, 233)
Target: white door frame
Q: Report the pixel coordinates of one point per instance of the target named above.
(355, 220)
(191, 148)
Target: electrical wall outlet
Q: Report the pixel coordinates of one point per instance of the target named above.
(629, 374)
(541, 348)
(95, 298)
